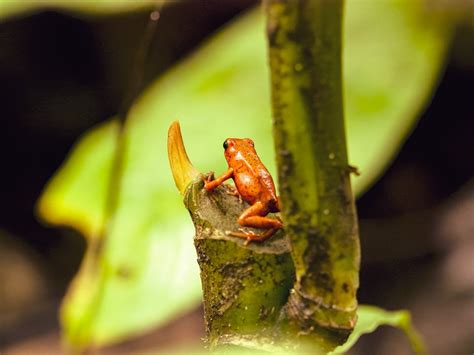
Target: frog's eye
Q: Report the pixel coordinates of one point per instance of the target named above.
(226, 144)
(250, 142)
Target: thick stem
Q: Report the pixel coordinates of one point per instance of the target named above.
(244, 286)
(318, 205)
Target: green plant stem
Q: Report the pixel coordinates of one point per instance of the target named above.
(244, 286)
(256, 295)
(319, 213)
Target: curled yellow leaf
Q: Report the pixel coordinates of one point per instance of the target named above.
(183, 171)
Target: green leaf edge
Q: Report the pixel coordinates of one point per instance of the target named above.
(15, 8)
(372, 317)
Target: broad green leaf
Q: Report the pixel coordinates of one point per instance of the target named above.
(10, 8)
(370, 318)
(145, 271)
(393, 58)
(83, 210)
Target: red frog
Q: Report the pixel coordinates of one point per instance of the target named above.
(254, 184)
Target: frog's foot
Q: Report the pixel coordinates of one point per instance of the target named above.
(206, 178)
(233, 192)
(252, 236)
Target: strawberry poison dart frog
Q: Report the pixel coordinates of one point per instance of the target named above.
(254, 185)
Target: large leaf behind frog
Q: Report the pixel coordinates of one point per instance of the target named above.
(145, 272)
(10, 8)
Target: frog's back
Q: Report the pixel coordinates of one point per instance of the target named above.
(253, 181)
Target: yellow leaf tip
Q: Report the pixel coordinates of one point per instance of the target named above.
(183, 171)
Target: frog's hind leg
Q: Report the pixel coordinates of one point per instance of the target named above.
(253, 237)
(255, 217)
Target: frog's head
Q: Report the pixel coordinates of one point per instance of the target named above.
(233, 147)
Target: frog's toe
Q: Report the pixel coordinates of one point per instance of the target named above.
(247, 233)
(230, 190)
(210, 176)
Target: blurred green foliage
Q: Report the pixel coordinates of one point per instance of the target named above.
(370, 318)
(9, 8)
(144, 273)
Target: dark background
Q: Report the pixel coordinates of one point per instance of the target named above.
(61, 74)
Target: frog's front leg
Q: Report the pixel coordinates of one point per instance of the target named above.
(254, 217)
(211, 185)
